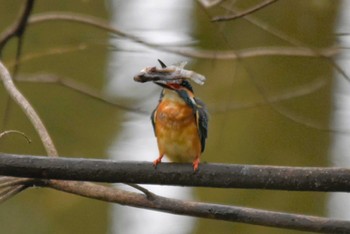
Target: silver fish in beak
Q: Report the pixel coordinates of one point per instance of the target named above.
(173, 73)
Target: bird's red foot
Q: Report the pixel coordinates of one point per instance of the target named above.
(157, 161)
(195, 164)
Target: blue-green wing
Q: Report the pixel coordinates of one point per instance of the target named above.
(202, 121)
(154, 114)
(153, 119)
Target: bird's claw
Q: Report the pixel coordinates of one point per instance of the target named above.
(156, 162)
(195, 164)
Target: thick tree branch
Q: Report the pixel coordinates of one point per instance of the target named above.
(209, 175)
(174, 206)
(204, 210)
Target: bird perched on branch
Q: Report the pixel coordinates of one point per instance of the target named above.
(180, 120)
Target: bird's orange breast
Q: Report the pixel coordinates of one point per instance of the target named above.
(176, 130)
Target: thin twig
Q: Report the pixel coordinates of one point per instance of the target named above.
(283, 36)
(11, 181)
(287, 95)
(254, 52)
(148, 193)
(28, 110)
(18, 28)
(244, 13)
(5, 191)
(16, 132)
(12, 191)
(267, 27)
(49, 52)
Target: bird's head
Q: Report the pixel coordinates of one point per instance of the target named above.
(175, 85)
(171, 78)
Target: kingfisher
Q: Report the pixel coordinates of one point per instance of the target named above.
(180, 120)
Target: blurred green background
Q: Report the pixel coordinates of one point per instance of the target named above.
(251, 134)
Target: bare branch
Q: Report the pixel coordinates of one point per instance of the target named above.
(11, 181)
(11, 191)
(18, 28)
(181, 174)
(244, 13)
(10, 186)
(48, 52)
(287, 95)
(283, 36)
(204, 210)
(255, 52)
(267, 27)
(174, 206)
(79, 87)
(203, 54)
(83, 19)
(85, 90)
(279, 109)
(29, 111)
